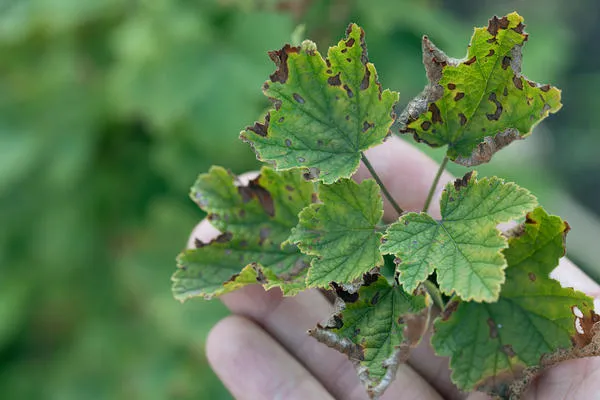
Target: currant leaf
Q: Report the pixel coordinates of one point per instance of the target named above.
(464, 247)
(341, 232)
(376, 327)
(327, 111)
(480, 104)
(255, 219)
(489, 345)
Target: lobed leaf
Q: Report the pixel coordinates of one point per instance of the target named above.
(464, 248)
(255, 219)
(480, 104)
(490, 344)
(327, 111)
(376, 327)
(341, 232)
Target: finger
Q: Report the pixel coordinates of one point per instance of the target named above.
(574, 379)
(253, 366)
(569, 275)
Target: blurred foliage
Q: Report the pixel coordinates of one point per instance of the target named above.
(109, 110)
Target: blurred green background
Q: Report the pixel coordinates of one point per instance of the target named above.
(108, 111)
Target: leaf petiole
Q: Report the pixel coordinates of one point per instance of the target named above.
(436, 180)
(434, 293)
(380, 183)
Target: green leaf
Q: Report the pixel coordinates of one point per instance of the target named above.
(488, 344)
(482, 103)
(464, 247)
(326, 111)
(255, 220)
(342, 232)
(376, 327)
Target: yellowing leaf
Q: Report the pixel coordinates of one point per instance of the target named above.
(464, 247)
(376, 327)
(341, 232)
(255, 219)
(327, 111)
(480, 104)
(489, 345)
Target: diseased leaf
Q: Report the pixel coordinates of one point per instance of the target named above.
(489, 345)
(376, 327)
(464, 247)
(482, 103)
(341, 232)
(255, 219)
(326, 111)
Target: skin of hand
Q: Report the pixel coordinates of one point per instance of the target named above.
(262, 351)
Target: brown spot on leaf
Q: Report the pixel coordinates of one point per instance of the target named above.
(488, 147)
(506, 62)
(451, 86)
(369, 279)
(350, 42)
(346, 296)
(529, 220)
(425, 125)
(261, 129)
(493, 328)
(471, 60)
(348, 91)
(545, 88)
(463, 119)
(508, 350)
(459, 96)
(496, 115)
(492, 40)
(584, 333)
(505, 92)
(449, 310)
(495, 24)
(280, 58)
(343, 345)
(491, 53)
(367, 126)
(519, 28)
(334, 80)
(532, 277)
(281, 119)
(255, 191)
(298, 98)
(232, 278)
(464, 181)
(260, 276)
(263, 235)
(349, 60)
(344, 50)
(288, 142)
(289, 188)
(338, 323)
(436, 115)
(364, 84)
(375, 298)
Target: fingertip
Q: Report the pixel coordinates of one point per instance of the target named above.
(204, 232)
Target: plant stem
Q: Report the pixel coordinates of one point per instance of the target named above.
(381, 185)
(436, 180)
(434, 293)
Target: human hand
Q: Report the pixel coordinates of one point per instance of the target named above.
(263, 351)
